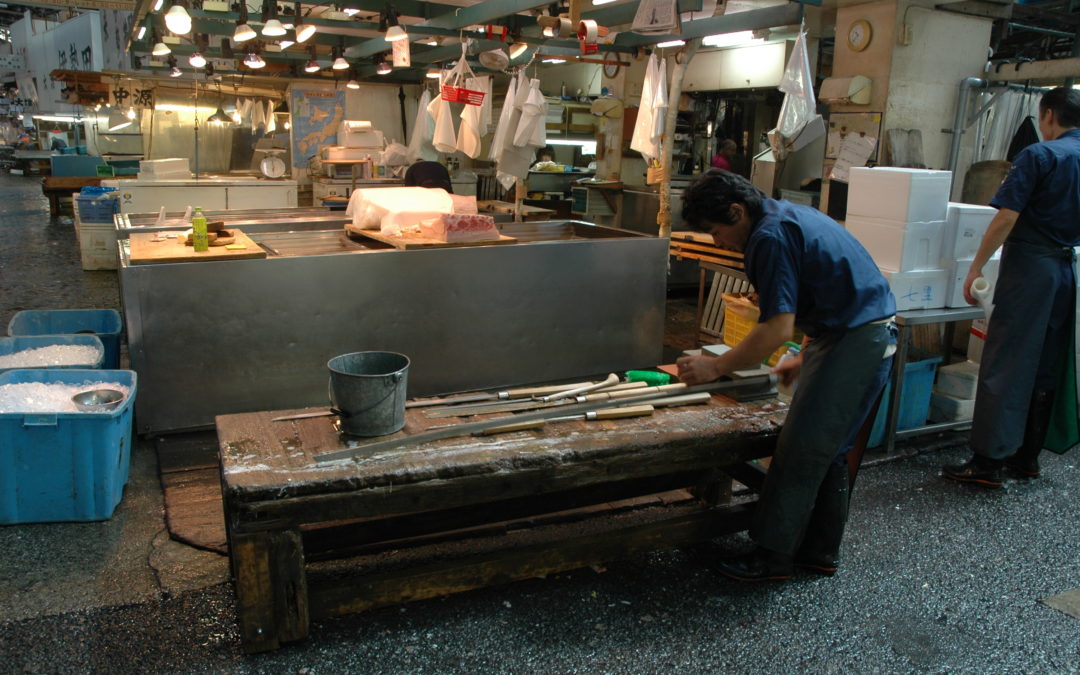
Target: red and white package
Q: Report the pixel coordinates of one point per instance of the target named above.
(460, 227)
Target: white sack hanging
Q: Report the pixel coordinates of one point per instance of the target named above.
(244, 109)
(271, 123)
(660, 106)
(468, 140)
(514, 161)
(444, 139)
(532, 114)
(504, 122)
(641, 140)
(423, 129)
(258, 116)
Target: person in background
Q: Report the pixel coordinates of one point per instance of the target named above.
(724, 155)
(429, 175)
(812, 274)
(1031, 328)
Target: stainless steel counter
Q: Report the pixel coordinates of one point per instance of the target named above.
(570, 299)
(250, 220)
(639, 209)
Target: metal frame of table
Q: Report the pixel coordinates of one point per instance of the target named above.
(904, 320)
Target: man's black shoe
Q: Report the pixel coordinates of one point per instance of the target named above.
(818, 564)
(1024, 467)
(979, 470)
(758, 565)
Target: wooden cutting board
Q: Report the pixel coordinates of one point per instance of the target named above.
(145, 251)
(411, 242)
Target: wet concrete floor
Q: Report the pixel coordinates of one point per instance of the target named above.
(936, 577)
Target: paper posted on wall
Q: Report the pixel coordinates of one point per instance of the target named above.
(855, 150)
(657, 16)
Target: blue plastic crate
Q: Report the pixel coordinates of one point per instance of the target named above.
(914, 398)
(57, 467)
(10, 345)
(105, 323)
(96, 209)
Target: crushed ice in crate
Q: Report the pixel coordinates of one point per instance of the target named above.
(41, 397)
(52, 355)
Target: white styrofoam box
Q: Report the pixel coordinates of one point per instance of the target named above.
(964, 229)
(976, 340)
(158, 168)
(958, 379)
(918, 289)
(897, 194)
(945, 408)
(954, 294)
(915, 247)
(97, 246)
(716, 350)
(350, 153)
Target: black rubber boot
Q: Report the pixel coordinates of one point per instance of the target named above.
(761, 564)
(820, 548)
(1025, 463)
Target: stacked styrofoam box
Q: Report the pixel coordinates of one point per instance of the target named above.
(964, 229)
(172, 168)
(953, 397)
(97, 242)
(899, 216)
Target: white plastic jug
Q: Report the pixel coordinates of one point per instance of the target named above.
(983, 291)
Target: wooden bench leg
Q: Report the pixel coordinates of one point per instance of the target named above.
(271, 588)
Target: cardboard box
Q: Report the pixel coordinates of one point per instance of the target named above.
(964, 229)
(917, 246)
(959, 380)
(899, 195)
(918, 289)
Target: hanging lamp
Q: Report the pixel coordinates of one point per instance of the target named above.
(243, 31)
(177, 19)
(303, 30)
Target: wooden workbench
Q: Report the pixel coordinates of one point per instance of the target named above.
(56, 188)
(467, 512)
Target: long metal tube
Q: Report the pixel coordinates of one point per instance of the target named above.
(959, 119)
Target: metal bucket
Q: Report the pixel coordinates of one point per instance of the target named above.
(367, 390)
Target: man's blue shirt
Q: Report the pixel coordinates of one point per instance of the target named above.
(1043, 186)
(801, 261)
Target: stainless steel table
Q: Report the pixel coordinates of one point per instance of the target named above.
(904, 320)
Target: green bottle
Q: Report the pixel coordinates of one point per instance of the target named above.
(198, 231)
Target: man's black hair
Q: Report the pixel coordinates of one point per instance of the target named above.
(707, 201)
(1065, 102)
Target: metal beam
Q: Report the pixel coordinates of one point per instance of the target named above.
(767, 17)
(125, 5)
(1039, 71)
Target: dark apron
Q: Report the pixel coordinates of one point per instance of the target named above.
(1029, 331)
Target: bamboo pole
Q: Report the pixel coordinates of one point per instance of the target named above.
(663, 216)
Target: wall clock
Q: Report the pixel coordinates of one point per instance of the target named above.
(859, 34)
(611, 69)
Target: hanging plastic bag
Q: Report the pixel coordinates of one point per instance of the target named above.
(641, 140)
(455, 88)
(501, 129)
(444, 139)
(423, 129)
(798, 123)
(395, 154)
(659, 106)
(472, 127)
(532, 114)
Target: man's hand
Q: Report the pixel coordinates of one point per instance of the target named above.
(788, 371)
(972, 275)
(697, 369)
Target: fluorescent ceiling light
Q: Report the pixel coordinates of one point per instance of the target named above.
(587, 147)
(340, 63)
(58, 118)
(554, 61)
(273, 28)
(243, 33)
(285, 44)
(597, 3)
(142, 32)
(160, 49)
(158, 4)
(304, 31)
(742, 37)
(197, 60)
(178, 20)
(670, 43)
(350, 11)
(118, 120)
(394, 33)
(433, 71)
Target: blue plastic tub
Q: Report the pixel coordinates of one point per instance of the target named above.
(10, 345)
(57, 467)
(97, 209)
(105, 323)
(914, 398)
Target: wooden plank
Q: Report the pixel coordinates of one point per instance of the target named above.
(497, 206)
(411, 242)
(271, 589)
(146, 251)
(335, 597)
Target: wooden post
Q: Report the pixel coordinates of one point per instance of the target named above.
(663, 216)
(519, 197)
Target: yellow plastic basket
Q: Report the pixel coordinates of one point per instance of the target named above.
(740, 317)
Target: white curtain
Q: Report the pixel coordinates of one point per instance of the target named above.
(1001, 121)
